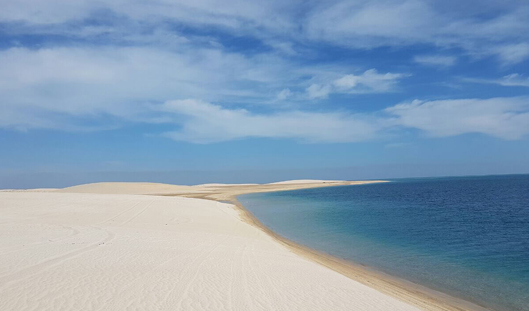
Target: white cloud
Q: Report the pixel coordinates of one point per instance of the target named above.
(56, 87)
(44, 12)
(513, 79)
(369, 24)
(284, 94)
(41, 88)
(207, 123)
(227, 13)
(435, 60)
(513, 53)
(506, 118)
(238, 16)
(368, 82)
(317, 91)
(46, 88)
(492, 28)
(121, 81)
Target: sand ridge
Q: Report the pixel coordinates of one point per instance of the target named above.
(205, 191)
(168, 189)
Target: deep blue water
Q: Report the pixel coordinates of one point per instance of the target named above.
(466, 236)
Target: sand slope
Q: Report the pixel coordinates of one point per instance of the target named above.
(64, 251)
(129, 188)
(210, 191)
(305, 181)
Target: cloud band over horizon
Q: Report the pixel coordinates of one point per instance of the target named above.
(328, 72)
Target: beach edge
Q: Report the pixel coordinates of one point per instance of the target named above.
(415, 294)
(406, 291)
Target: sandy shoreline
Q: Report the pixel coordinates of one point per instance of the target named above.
(409, 292)
(228, 224)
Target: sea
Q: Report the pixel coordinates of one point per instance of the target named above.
(464, 236)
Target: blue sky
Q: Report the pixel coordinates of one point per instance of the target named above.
(242, 91)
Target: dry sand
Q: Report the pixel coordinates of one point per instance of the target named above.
(78, 249)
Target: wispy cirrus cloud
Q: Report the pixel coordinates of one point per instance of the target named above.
(369, 24)
(497, 28)
(369, 81)
(207, 123)
(513, 53)
(230, 14)
(436, 60)
(37, 85)
(505, 118)
(58, 88)
(513, 79)
(115, 62)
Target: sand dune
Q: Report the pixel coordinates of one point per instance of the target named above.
(305, 181)
(30, 190)
(129, 188)
(223, 185)
(208, 191)
(71, 251)
(164, 189)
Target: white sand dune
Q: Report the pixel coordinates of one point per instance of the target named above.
(130, 188)
(70, 251)
(305, 181)
(30, 190)
(211, 191)
(158, 188)
(223, 185)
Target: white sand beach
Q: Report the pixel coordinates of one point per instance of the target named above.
(61, 250)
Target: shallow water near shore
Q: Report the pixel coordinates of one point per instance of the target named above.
(466, 236)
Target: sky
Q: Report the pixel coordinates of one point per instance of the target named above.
(257, 91)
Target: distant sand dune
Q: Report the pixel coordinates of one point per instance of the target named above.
(30, 190)
(157, 188)
(212, 191)
(305, 181)
(223, 185)
(128, 188)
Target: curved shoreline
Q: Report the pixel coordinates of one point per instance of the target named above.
(414, 294)
(407, 291)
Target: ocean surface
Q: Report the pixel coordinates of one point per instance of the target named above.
(465, 236)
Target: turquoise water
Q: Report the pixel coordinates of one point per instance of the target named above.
(466, 236)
